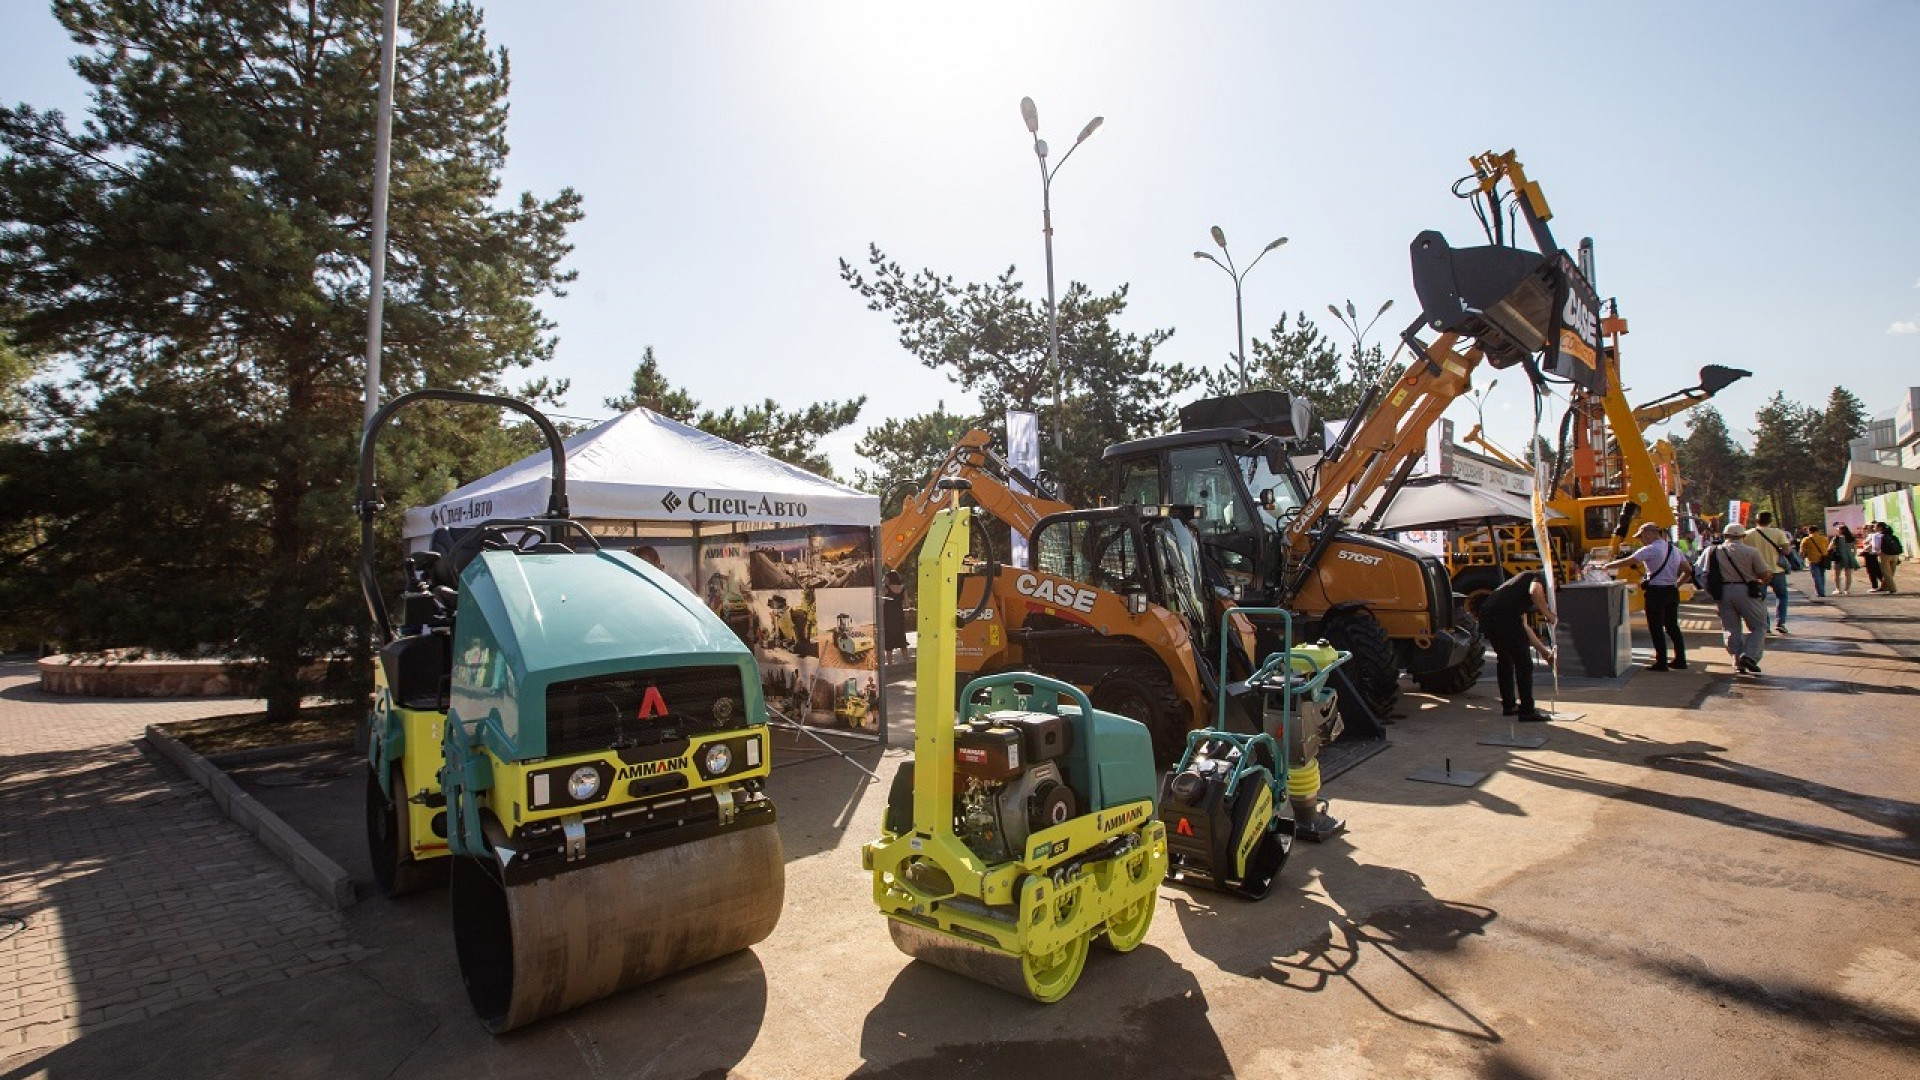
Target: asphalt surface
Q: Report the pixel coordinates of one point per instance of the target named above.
(1702, 876)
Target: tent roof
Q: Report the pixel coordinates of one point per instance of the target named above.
(641, 466)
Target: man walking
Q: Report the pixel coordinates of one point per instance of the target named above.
(1741, 578)
(1660, 589)
(1504, 621)
(1815, 549)
(1772, 544)
(1870, 554)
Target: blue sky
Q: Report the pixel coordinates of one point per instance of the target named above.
(1748, 172)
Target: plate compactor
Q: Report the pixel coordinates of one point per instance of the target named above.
(1223, 803)
(578, 743)
(1023, 831)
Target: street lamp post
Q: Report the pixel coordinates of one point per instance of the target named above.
(1351, 321)
(1031, 115)
(1238, 276)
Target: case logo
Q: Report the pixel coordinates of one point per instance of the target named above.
(1077, 597)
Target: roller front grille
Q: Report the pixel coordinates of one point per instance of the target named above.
(642, 708)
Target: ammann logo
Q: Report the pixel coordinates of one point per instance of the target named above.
(1110, 822)
(651, 768)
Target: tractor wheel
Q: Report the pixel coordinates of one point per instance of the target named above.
(1459, 678)
(1474, 583)
(395, 871)
(1374, 668)
(1153, 701)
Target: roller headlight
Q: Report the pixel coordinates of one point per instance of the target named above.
(584, 784)
(718, 759)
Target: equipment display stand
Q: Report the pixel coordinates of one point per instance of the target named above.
(780, 720)
(1447, 775)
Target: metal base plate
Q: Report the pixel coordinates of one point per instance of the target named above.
(1450, 777)
(1523, 742)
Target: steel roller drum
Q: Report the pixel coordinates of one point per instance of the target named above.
(532, 950)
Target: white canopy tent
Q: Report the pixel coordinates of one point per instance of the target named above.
(747, 525)
(642, 466)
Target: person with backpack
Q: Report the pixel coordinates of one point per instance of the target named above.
(1736, 577)
(1773, 544)
(1892, 551)
(1660, 589)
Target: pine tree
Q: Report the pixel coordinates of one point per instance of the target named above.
(197, 252)
(1712, 466)
(792, 435)
(1781, 464)
(991, 341)
(1842, 421)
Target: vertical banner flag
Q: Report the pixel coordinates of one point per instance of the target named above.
(1023, 453)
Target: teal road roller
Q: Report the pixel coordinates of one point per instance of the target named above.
(574, 742)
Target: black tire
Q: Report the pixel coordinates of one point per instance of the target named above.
(1474, 583)
(395, 872)
(1374, 668)
(1459, 678)
(1152, 700)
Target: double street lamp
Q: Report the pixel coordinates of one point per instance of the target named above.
(1238, 276)
(1351, 321)
(1032, 116)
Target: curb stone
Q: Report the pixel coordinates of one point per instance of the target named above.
(320, 873)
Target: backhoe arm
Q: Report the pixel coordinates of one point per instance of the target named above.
(972, 459)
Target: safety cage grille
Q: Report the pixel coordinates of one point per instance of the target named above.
(643, 708)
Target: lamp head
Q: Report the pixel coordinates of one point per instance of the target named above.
(1351, 314)
(1383, 309)
(1282, 242)
(1031, 114)
(1092, 126)
(1219, 237)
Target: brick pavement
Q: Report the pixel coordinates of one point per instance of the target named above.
(133, 893)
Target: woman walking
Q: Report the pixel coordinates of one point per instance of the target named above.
(1870, 554)
(1845, 559)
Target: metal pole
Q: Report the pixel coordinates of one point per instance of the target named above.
(382, 162)
(1240, 328)
(1053, 312)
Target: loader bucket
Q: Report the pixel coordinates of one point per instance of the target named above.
(1502, 297)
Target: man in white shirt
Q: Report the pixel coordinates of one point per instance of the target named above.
(1665, 567)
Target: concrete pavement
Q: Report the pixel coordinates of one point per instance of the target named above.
(1704, 877)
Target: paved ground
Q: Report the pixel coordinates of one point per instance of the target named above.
(1703, 877)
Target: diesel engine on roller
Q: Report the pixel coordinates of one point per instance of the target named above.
(1007, 773)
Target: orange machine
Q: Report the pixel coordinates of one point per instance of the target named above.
(1110, 600)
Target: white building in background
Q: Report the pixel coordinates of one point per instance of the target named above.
(1887, 457)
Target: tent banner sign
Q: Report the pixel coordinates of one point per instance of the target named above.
(732, 506)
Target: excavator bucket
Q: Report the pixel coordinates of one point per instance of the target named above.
(1502, 297)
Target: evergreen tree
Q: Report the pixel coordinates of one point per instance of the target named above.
(992, 342)
(1780, 467)
(1842, 421)
(1712, 466)
(197, 252)
(791, 435)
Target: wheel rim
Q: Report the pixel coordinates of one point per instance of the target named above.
(1049, 977)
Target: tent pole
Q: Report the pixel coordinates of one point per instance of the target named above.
(879, 622)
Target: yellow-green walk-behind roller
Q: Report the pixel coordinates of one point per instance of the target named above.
(1023, 831)
(579, 741)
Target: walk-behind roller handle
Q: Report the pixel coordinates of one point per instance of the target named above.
(1059, 689)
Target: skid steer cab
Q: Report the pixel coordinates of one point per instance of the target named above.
(578, 743)
(1024, 830)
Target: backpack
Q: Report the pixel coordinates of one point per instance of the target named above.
(1716, 584)
(1890, 545)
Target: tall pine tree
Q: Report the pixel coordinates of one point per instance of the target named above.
(197, 252)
